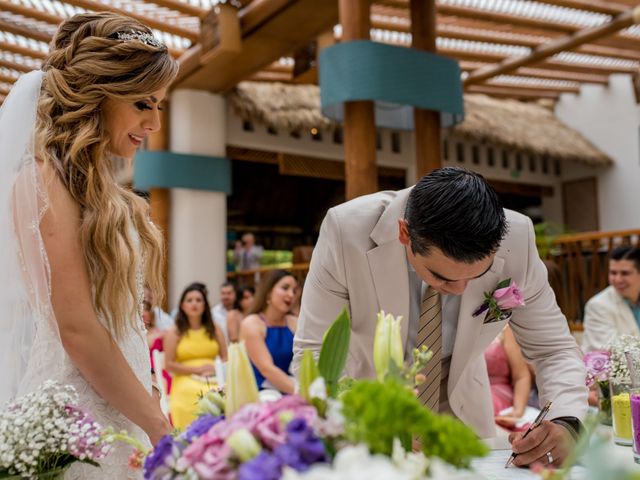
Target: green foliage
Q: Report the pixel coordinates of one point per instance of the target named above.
(378, 412)
(333, 354)
(546, 233)
(308, 373)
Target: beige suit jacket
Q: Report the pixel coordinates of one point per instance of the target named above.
(358, 262)
(606, 317)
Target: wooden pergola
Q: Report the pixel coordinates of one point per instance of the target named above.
(506, 48)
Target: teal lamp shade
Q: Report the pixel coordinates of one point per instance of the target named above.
(396, 78)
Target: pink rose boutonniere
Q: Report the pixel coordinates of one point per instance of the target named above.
(499, 303)
(598, 365)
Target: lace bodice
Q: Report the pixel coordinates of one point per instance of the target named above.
(48, 360)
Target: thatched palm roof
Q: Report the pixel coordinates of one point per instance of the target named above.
(526, 127)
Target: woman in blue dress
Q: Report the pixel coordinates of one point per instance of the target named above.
(268, 331)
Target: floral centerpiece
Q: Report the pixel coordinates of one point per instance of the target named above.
(321, 431)
(44, 432)
(620, 384)
(598, 366)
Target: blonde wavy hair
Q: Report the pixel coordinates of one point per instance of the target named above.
(93, 57)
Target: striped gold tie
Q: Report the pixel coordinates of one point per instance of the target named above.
(430, 334)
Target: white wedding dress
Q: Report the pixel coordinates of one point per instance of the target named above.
(30, 347)
(50, 361)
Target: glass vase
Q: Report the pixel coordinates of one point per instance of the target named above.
(604, 402)
(635, 422)
(621, 412)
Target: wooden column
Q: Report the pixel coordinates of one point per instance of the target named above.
(160, 198)
(427, 123)
(361, 172)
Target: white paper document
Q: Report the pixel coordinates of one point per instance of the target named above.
(492, 468)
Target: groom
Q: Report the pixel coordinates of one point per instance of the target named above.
(429, 253)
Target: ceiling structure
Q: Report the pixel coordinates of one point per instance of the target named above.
(480, 34)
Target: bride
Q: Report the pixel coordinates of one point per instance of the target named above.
(76, 248)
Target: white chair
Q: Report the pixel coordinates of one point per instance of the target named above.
(158, 366)
(221, 371)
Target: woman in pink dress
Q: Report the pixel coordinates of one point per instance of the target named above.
(509, 376)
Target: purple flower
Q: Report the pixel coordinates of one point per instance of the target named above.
(598, 365)
(200, 426)
(509, 297)
(263, 467)
(290, 455)
(158, 457)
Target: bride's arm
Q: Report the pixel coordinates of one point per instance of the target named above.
(86, 341)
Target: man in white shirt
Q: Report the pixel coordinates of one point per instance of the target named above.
(163, 320)
(220, 311)
(615, 311)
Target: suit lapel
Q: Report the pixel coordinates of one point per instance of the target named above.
(388, 265)
(388, 262)
(468, 325)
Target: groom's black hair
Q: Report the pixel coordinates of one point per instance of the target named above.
(457, 211)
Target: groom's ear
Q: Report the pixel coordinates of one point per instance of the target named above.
(403, 231)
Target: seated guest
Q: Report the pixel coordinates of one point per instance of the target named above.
(190, 350)
(163, 320)
(221, 310)
(241, 307)
(154, 339)
(153, 332)
(509, 378)
(615, 311)
(268, 331)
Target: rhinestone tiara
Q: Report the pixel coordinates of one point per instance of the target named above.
(143, 37)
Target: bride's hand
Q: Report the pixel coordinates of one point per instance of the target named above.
(163, 428)
(207, 370)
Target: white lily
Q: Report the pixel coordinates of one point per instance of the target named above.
(241, 383)
(387, 344)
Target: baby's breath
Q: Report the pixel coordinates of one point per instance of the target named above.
(619, 370)
(43, 428)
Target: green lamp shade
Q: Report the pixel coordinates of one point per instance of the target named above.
(395, 78)
(161, 169)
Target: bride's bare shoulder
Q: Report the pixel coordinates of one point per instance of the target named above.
(61, 203)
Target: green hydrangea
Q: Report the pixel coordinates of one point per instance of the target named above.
(378, 412)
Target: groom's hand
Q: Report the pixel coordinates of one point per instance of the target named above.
(550, 438)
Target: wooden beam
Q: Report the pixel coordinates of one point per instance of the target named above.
(552, 64)
(7, 79)
(504, 92)
(14, 66)
(548, 49)
(361, 173)
(597, 6)
(496, 17)
(265, 76)
(25, 52)
(427, 129)
(296, 25)
(618, 41)
(545, 74)
(534, 87)
(24, 31)
(181, 7)
(150, 22)
(508, 38)
(259, 12)
(41, 16)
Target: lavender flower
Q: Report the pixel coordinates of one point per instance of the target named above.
(200, 426)
(264, 467)
(159, 456)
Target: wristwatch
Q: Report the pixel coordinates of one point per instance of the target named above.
(573, 424)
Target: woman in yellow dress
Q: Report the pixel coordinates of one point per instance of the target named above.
(190, 351)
